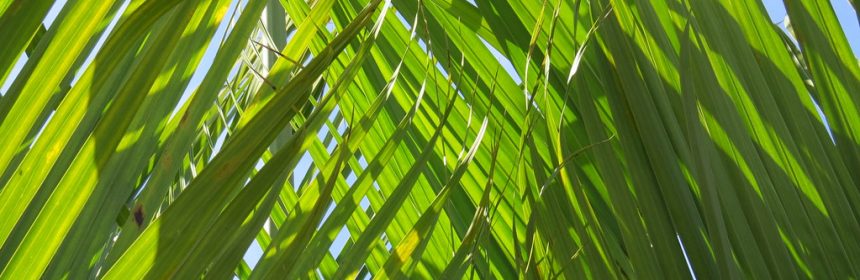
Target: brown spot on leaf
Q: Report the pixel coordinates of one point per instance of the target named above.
(138, 215)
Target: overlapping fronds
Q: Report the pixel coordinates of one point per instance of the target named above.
(429, 139)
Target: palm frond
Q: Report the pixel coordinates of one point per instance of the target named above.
(427, 139)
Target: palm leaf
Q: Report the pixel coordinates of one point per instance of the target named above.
(646, 139)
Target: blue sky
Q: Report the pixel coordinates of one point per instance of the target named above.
(846, 14)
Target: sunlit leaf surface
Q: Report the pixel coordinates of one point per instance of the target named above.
(427, 139)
